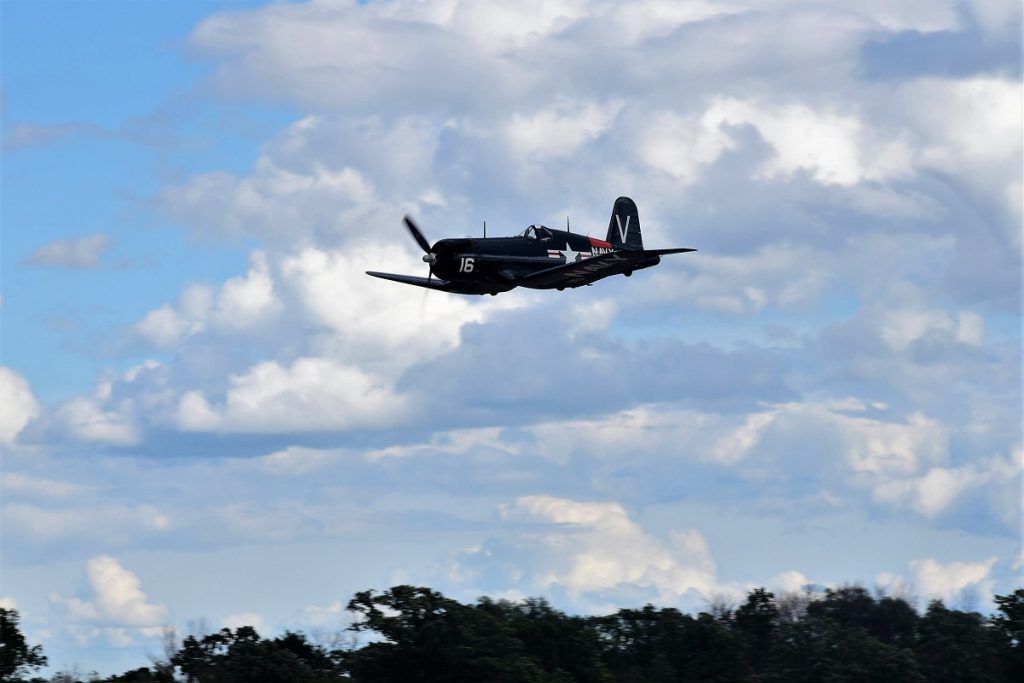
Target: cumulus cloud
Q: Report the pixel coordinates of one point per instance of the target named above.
(833, 148)
(312, 394)
(87, 419)
(596, 547)
(370, 320)
(995, 480)
(108, 415)
(239, 305)
(82, 252)
(977, 131)
(785, 276)
(935, 580)
(560, 130)
(20, 404)
(114, 597)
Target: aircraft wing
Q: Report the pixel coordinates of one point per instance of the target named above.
(445, 285)
(594, 268)
(431, 283)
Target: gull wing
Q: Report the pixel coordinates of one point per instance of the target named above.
(431, 283)
(588, 270)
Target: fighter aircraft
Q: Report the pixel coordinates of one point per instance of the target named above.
(539, 258)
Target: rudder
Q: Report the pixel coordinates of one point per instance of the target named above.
(624, 225)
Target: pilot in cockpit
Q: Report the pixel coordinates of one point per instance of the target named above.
(537, 232)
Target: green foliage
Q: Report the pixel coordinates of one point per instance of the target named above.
(142, 675)
(565, 648)
(417, 634)
(957, 646)
(755, 623)
(241, 655)
(1009, 627)
(428, 637)
(16, 657)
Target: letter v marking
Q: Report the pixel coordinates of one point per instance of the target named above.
(622, 231)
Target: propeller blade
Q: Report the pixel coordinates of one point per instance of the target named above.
(417, 235)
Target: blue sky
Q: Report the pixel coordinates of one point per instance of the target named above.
(210, 413)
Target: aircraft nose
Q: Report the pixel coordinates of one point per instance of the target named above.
(430, 258)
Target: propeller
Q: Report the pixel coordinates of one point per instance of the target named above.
(429, 257)
(417, 234)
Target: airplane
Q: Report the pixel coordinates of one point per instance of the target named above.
(538, 258)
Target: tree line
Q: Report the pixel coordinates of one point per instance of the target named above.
(417, 634)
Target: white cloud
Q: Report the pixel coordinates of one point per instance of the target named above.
(560, 130)
(465, 442)
(108, 524)
(312, 394)
(734, 446)
(16, 482)
(681, 146)
(118, 409)
(833, 147)
(240, 305)
(597, 547)
(86, 418)
(277, 203)
(881, 448)
(970, 128)
(900, 327)
(1000, 18)
(318, 616)
(384, 325)
(647, 19)
(791, 581)
(593, 316)
(786, 276)
(164, 327)
(115, 597)
(20, 405)
(995, 480)
(235, 621)
(248, 300)
(947, 581)
(119, 637)
(83, 252)
(8, 603)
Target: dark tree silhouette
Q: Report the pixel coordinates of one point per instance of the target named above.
(1009, 626)
(957, 646)
(241, 655)
(564, 647)
(755, 622)
(428, 637)
(417, 634)
(16, 657)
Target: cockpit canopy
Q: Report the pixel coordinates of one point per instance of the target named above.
(537, 232)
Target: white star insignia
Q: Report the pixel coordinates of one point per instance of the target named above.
(570, 255)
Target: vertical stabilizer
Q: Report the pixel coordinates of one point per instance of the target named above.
(624, 225)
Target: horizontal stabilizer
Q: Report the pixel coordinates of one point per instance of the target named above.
(666, 252)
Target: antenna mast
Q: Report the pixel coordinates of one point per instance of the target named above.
(485, 229)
